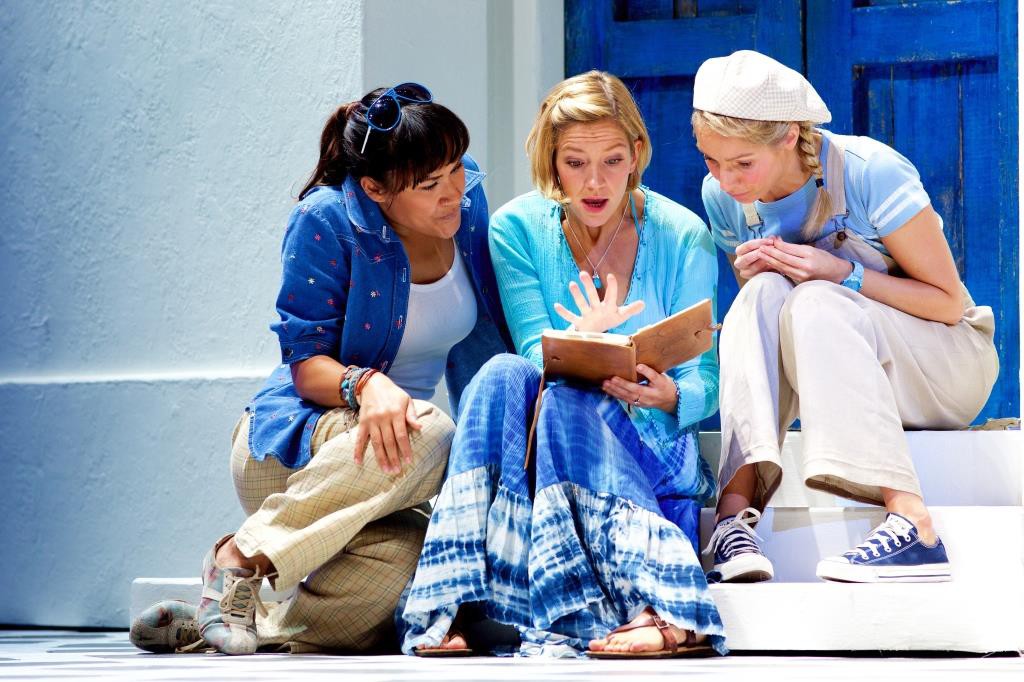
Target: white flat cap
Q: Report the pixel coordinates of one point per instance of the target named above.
(750, 85)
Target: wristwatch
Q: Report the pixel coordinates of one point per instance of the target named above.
(855, 278)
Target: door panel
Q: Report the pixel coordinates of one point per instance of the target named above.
(937, 81)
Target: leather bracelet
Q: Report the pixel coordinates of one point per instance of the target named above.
(361, 383)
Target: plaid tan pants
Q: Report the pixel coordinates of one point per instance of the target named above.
(346, 536)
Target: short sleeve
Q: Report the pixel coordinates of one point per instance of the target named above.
(724, 234)
(312, 298)
(893, 193)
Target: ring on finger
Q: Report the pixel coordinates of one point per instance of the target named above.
(636, 400)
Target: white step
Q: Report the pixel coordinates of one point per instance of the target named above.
(974, 484)
(983, 543)
(981, 610)
(963, 615)
(978, 616)
(956, 468)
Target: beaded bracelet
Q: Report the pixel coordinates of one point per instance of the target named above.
(345, 384)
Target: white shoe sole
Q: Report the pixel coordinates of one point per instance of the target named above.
(841, 571)
(746, 568)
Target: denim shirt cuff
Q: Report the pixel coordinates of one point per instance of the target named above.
(294, 351)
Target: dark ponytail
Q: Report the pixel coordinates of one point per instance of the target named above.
(332, 167)
(428, 137)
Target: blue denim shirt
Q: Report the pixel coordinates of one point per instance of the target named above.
(345, 294)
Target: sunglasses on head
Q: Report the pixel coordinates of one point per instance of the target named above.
(385, 112)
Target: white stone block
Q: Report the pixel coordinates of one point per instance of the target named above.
(968, 616)
(148, 591)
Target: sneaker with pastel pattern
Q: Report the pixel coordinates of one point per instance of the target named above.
(738, 558)
(892, 553)
(227, 611)
(167, 627)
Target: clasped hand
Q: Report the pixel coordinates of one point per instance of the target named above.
(600, 315)
(798, 262)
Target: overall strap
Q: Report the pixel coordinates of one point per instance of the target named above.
(750, 213)
(835, 177)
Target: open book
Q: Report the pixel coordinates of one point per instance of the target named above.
(593, 357)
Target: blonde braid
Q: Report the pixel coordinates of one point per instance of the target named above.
(807, 151)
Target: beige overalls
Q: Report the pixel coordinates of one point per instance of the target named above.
(855, 371)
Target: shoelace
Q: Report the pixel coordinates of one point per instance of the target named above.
(241, 598)
(881, 536)
(188, 632)
(736, 535)
(198, 646)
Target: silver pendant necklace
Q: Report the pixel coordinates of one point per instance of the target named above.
(593, 268)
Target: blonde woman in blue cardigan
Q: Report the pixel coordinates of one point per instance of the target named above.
(593, 547)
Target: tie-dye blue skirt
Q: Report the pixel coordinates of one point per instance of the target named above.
(568, 550)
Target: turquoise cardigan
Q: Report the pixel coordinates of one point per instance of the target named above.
(675, 267)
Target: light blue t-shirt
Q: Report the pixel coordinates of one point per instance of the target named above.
(883, 192)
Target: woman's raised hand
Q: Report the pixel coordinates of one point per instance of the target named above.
(386, 413)
(597, 314)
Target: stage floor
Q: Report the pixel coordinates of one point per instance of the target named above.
(55, 654)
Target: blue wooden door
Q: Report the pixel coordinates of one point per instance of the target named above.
(936, 79)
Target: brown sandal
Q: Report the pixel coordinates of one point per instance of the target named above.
(671, 648)
(441, 653)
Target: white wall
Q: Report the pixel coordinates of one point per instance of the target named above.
(489, 61)
(527, 59)
(442, 45)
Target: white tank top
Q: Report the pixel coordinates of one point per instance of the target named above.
(440, 315)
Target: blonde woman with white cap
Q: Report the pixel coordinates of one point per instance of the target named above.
(851, 317)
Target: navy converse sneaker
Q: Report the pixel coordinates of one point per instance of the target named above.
(892, 553)
(738, 559)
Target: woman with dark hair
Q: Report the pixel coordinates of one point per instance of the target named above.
(390, 230)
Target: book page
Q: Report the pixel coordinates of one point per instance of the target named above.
(675, 339)
(594, 337)
(593, 357)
